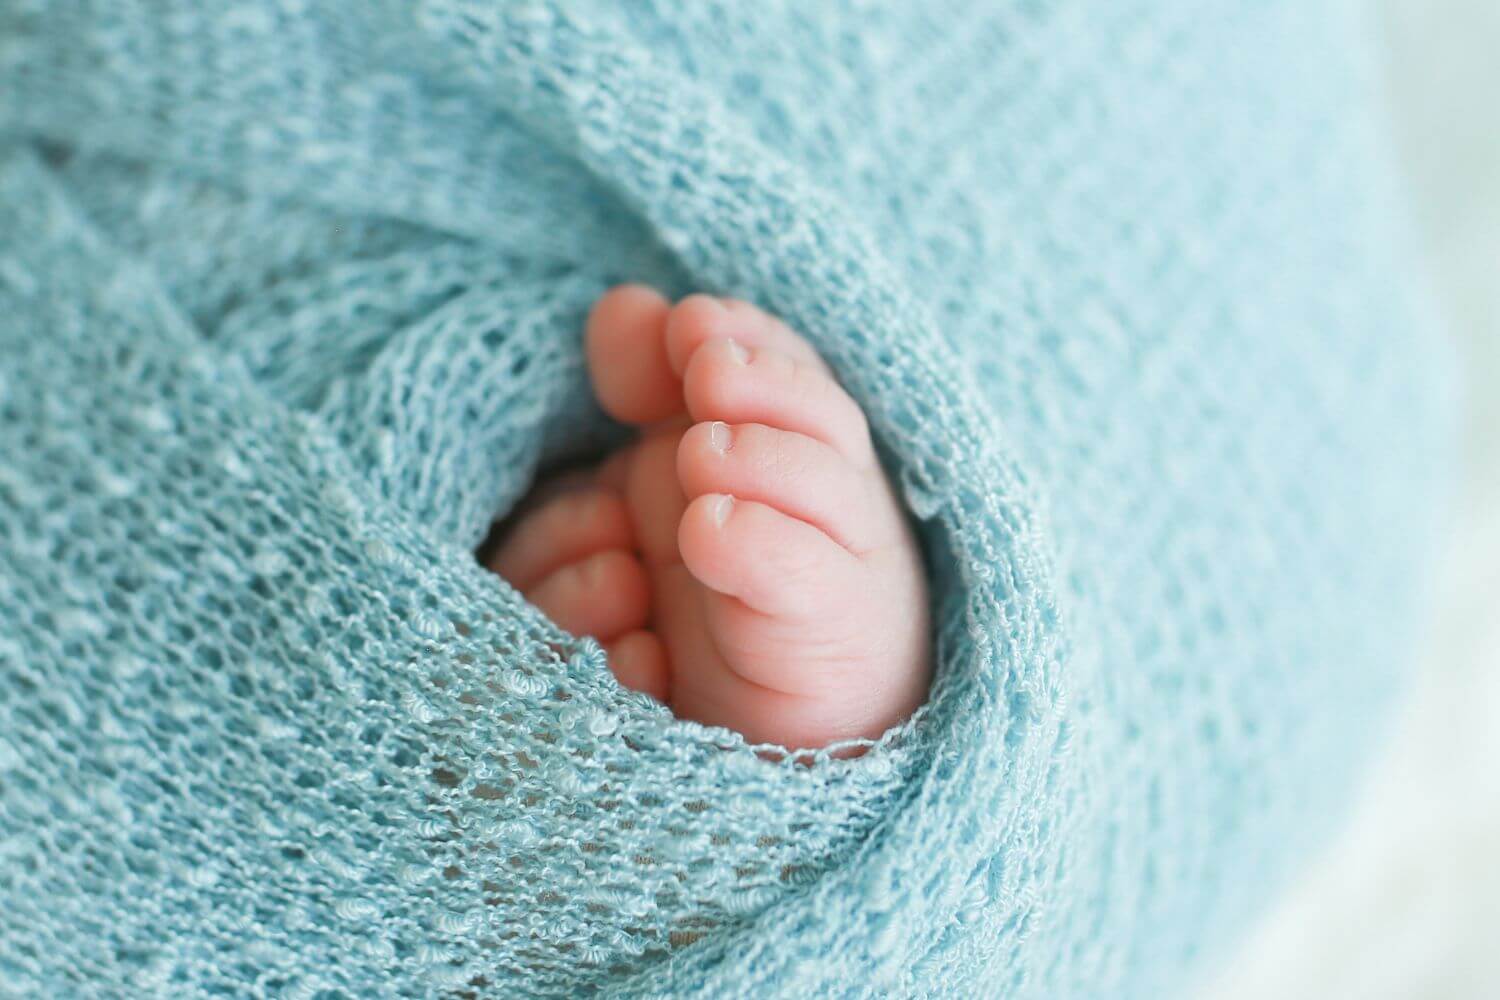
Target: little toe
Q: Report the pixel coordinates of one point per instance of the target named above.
(639, 661)
(699, 319)
(626, 347)
(796, 474)
(730, 382)
(604, 595)
(571, 525)
(654, 497)
(771, 562)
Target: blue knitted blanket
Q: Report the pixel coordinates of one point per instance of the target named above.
(291, 300)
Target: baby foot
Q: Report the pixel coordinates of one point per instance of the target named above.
(746, 561)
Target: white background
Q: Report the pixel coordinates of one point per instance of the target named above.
(1406, 904)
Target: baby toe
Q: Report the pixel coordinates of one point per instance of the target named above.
(654, 497)
(734, 383)
(604, 595)
(797, 475)
(563, 529)
(625, 342)
(639, 662)
(699, 319)
(773, 563)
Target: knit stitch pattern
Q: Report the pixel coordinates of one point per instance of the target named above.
(291, 301)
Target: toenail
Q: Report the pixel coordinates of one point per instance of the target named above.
(737, 352)
(718, 436)
(722, 509)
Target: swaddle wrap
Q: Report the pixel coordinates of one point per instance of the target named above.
(291, 296)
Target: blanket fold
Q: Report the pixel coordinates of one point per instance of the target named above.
(291, 296)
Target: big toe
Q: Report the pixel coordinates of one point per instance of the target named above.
(626, 345)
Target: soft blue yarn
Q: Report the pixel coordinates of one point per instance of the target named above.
(290, 304)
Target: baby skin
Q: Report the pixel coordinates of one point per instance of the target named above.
(745, 560)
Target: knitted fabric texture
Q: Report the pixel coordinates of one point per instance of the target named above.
(291, 300)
